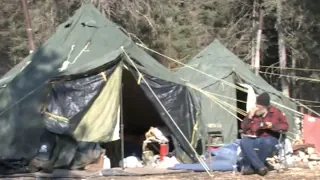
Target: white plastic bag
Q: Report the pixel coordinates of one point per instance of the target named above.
(131, 162)
(106, 163)
(167, 163)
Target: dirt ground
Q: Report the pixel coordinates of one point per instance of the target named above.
(292, 174)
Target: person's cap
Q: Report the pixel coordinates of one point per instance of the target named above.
(263, 99)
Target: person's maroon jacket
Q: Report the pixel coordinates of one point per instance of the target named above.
(275, 116)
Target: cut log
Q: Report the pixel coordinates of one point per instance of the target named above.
(301, 154)
(305, 160)
(301, 147)
(310, 150)
(314, 157)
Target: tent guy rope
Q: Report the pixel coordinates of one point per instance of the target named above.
(217, 101)
(311, 110)
(290, 68)
(24, 97)
(222, 103)
(307, 101)
(201, 161)
(218, 79)
(296, 78)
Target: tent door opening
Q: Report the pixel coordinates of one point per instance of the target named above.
(245, 101)
(241, 105)
(139, 114)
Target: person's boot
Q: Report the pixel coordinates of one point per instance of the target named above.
(262, 171)
(247, 170)
(37, 164)
(269, 166)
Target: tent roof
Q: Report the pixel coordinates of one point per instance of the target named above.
(13, 72)
(85, 42)
(219, 62)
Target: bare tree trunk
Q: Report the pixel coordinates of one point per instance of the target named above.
(282, 50)
(258, 50)
(294, 88)
(254, 27)
(294, 64)
(28, 25)
(54, 13)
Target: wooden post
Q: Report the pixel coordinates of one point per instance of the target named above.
(282, 50)
(301, 109)
(28, 24)
(259, 34)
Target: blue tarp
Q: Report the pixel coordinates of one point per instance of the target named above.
(224, 158)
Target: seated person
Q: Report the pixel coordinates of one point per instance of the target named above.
(261, 129)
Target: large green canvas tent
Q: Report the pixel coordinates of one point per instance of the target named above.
(13, 72)
(219, 72)
(72, 86)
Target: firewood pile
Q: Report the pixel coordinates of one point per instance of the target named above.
(304, 156)
(305, 153)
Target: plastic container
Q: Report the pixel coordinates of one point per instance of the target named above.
(106, 163)
(164, 150)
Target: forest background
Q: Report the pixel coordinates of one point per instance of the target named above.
(182, 28)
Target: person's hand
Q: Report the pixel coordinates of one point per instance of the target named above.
(268, 125)
(252, 112)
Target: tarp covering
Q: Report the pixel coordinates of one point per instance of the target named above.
(67, 99)
(223, 159)
(221, 72)
(179, 104)
(98, 124)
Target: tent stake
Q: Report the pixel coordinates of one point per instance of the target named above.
(121, 127)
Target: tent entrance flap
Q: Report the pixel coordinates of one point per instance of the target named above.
(68, 100)
(245, 101)
(251, 96)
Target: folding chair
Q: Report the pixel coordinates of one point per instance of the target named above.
(279, 151)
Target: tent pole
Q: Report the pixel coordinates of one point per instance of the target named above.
(121, 127)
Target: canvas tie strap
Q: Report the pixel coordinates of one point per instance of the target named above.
(139, 79)
(103, 74)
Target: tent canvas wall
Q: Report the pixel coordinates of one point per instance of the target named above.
(77, 71)
(222, 72)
